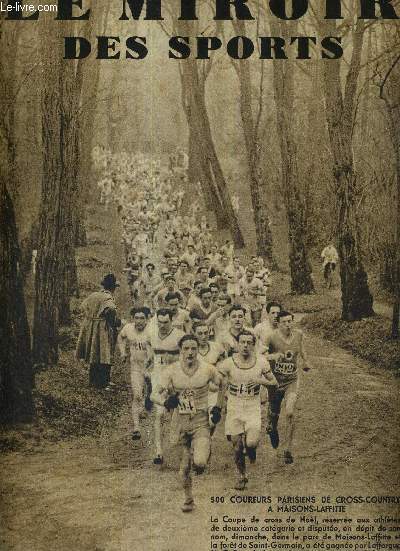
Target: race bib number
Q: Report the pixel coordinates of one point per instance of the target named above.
(138, 351)
(160, 360)
(248, 389)
(186, 402)
(285, 368)
(251, 389)
(139, 346)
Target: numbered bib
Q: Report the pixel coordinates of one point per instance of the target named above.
(285, 368)
(160, 360)
(186, 403)
(249, 389)
(245, 390)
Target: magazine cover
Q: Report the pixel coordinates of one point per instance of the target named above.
(200, 275)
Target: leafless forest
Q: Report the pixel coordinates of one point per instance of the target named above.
(311, 147)
(286, 156)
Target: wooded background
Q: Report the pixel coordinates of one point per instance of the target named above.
(311, 147)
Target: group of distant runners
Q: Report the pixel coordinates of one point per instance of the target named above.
(206, 344)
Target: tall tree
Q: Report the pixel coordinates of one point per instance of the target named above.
(73, 110)
(283, 81)
(9, 38)
(70, 93)
(389, 92)
(340, 112)
(88, 75)
(215, 187)
(55, 219)
(16, 374)
(199, 170)
(252, 139)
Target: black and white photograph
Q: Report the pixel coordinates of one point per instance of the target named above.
(200, 275)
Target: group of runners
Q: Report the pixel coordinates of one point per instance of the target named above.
(206, 343)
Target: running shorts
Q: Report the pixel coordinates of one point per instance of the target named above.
(242, 415)
(189, 427)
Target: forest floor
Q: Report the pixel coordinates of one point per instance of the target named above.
(74, 480)
(103, 492)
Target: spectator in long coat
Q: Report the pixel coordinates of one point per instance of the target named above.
(97, 337)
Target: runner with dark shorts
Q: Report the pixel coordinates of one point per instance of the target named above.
(284, 348)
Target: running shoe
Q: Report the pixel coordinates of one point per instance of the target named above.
(251, 454)
(288, 457)
(240, 483)
(198, 470)
(148, 404)
(274, 438)
(188, 506)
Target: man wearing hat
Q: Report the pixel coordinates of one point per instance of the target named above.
(97, 337)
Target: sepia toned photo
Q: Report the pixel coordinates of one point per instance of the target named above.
(200, 275)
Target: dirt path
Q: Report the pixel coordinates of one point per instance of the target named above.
(106, 495)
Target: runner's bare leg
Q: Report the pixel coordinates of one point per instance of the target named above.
(290, 425)
(240, 461)
(186, 474)
(158, 433)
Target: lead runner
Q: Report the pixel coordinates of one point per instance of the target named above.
(184, 387)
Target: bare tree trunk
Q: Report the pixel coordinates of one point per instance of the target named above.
(199, 170)
(16, 375)
(313, 167)
(283, 79)
(213, 181)
(390, 94)
(70, 99)
(56, 217)
(365, 111)
(48, 270)
(209, 153)
(196, 176)
(356, 297)
(73, 83)
(395, 333)
(113, 119)
(88, 71)
(9, 39)
(251, 138)
(395, 318)
(86, 132)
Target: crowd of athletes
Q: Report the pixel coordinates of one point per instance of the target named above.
(206, 343)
